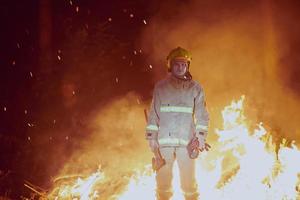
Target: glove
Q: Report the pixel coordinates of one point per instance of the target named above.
(193, 148)
(153, 144)
(201, 140)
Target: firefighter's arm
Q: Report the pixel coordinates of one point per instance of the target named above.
(201, 115)
(153, 117)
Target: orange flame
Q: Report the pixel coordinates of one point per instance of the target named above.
(243, 165)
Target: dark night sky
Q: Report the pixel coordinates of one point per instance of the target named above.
(59, 59)
(42, 55)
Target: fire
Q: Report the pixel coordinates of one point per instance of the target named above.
(80, 189)
(243, 164)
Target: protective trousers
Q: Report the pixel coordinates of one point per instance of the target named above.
(186, 171)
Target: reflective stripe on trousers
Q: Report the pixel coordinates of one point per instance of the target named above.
(186, 171)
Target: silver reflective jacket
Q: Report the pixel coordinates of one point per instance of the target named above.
(178, 112)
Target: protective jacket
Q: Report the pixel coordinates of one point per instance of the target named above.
(177, 112)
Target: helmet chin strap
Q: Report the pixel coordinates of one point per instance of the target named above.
(186, 77)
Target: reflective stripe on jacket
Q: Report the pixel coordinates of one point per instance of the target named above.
(177, 112)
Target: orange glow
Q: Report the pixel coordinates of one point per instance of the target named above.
(242, 165)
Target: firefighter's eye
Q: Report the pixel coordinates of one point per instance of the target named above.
(183, 65)
(176, 65)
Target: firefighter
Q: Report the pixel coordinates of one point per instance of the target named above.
(177, 116)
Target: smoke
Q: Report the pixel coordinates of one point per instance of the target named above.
(116, 145)
(237, 49)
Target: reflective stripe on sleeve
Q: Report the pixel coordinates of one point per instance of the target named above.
(172, 141)
(152, 127)
(201, 127)
(181, 109)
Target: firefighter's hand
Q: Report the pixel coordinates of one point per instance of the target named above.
(153, 144)
(201, 140)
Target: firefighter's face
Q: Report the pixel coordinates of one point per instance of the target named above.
(179, 67)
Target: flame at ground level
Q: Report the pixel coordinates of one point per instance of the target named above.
(243, 165)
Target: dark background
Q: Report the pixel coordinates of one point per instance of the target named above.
(40, 113)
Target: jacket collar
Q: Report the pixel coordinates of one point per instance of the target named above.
(178, 83)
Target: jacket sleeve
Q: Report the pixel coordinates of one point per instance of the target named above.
(200, 113)
(153, 117)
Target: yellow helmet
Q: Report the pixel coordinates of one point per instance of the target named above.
(178, 53)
